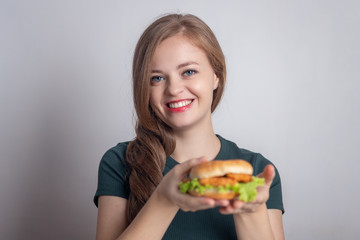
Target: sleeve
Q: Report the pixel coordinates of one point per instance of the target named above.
(275, 200)
(112, 175)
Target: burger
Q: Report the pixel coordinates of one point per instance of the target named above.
(222, 179)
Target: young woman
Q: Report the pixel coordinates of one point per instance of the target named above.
(178, 80)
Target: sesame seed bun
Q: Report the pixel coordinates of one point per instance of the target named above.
(217, 168)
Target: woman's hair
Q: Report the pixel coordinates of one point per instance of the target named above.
(146, 154)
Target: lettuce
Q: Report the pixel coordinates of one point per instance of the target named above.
(247, 191)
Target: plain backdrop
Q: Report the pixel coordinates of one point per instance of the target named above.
(292, 94)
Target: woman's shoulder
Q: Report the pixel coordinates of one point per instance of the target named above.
(113, 172)
(118, 149)
(115, 156)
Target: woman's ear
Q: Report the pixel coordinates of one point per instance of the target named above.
(216, 82)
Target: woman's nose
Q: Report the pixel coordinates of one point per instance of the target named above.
(174, 86)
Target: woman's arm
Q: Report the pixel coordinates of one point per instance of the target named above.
(151, 222)
(253, 220)
(276, 222)
(158, 212)
(261, 224)
(111, 221)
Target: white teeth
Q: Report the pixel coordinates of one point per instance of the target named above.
(179, 104)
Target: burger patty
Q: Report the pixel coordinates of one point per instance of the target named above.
(217, 181)
(240, 177)
(229, 179)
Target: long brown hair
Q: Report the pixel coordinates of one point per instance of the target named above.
(146, 154)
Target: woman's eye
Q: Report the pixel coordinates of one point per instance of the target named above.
(189, 73)
(156, 79)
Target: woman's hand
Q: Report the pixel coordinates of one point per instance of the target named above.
(237, 206)
(168, 189)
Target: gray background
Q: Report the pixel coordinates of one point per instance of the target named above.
(65, 98)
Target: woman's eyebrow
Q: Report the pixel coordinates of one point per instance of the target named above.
(178, 67)
(187, 64)
(156, 71)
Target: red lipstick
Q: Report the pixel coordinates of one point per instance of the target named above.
(178, 106)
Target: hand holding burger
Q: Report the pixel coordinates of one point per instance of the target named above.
(223, 179)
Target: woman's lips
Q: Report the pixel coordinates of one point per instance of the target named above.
(179, 105)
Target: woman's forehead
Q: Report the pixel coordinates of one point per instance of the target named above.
(178, 50)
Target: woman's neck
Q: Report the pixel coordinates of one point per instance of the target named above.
(196, 143)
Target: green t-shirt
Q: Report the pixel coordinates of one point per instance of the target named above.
(204, 224)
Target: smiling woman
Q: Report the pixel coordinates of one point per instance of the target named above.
(178, 80)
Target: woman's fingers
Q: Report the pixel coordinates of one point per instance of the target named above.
(191, 203)
(222, 202)
(240, 207)
(235, 206)
(185, 167)
(268, 174)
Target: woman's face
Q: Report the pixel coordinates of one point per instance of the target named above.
(182, 84)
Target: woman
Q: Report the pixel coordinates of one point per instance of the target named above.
(178, 80)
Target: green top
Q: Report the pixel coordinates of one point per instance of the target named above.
(204, 224)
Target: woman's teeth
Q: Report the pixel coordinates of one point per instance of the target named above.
(180, 104)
